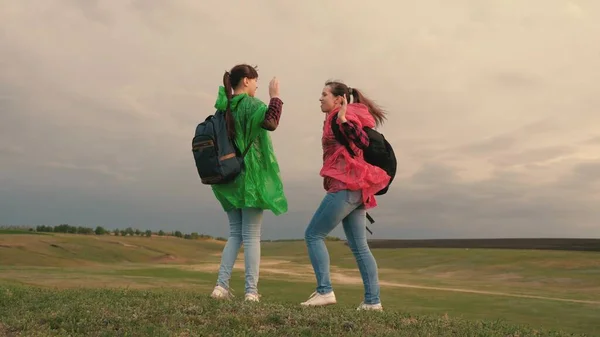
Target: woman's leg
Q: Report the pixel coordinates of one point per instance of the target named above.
(251, 231)
(230, 252)
(356, 234)
(333, 208)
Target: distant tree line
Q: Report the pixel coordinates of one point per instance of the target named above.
(99, 230)
(130, 231)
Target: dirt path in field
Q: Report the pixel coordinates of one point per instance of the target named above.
(283, 267)
(482, 292)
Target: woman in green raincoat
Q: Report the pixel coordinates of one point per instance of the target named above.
(259, 185)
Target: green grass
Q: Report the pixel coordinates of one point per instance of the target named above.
(574, 275)
(568, 317)
(166, 312)
(59, 267)
(574, 317)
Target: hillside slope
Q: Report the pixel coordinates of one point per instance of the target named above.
(34, 312)
(78, 250)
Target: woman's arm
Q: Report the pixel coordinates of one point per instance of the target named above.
(271, 121)
(355, 134)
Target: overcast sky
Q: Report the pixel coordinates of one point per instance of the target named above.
(493, 109)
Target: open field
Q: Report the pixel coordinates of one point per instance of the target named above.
(540, 243)
(46, 282)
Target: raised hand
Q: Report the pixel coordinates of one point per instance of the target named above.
(274, 88)
(342, 112)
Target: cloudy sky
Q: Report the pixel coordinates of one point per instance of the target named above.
(493, 109)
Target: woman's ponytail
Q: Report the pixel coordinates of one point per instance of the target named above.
(375, 110)
(230, 123)
(355, 96)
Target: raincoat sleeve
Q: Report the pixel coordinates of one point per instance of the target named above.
(273, 114)
(355, 134)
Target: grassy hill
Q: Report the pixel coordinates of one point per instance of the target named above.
(161, 284)
(572, 244)
(166, 312)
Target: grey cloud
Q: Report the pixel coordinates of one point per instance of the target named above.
(496, 207)
(588, 171)
(532, 156)
(98, 102)
(509, 140)
(92, 10)
(101, 170)
(544, 126)
(583, 177)
(496, 143)
(516, 80)
(593, 140)
(434, 174)
(452, 208)
(10, 151)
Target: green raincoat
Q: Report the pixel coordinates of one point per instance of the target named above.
(259, 185)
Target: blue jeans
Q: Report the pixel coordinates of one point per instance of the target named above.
(244, 227)
(344, 206)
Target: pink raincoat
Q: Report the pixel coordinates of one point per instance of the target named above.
(342, 171)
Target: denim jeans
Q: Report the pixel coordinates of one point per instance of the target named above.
(344, 206)
(244, 227)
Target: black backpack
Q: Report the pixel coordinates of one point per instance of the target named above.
(218, 159)
(379, 153)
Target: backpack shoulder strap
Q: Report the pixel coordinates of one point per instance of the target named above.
(250, 143)
(339, 137)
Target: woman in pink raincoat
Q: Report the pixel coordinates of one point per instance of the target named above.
(351, 184)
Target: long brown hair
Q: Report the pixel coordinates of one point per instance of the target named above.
(231, 79)
(355, 96)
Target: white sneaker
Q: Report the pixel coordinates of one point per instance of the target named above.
(376, 307)
(221, 293)
(317, 299)
(252, 297)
